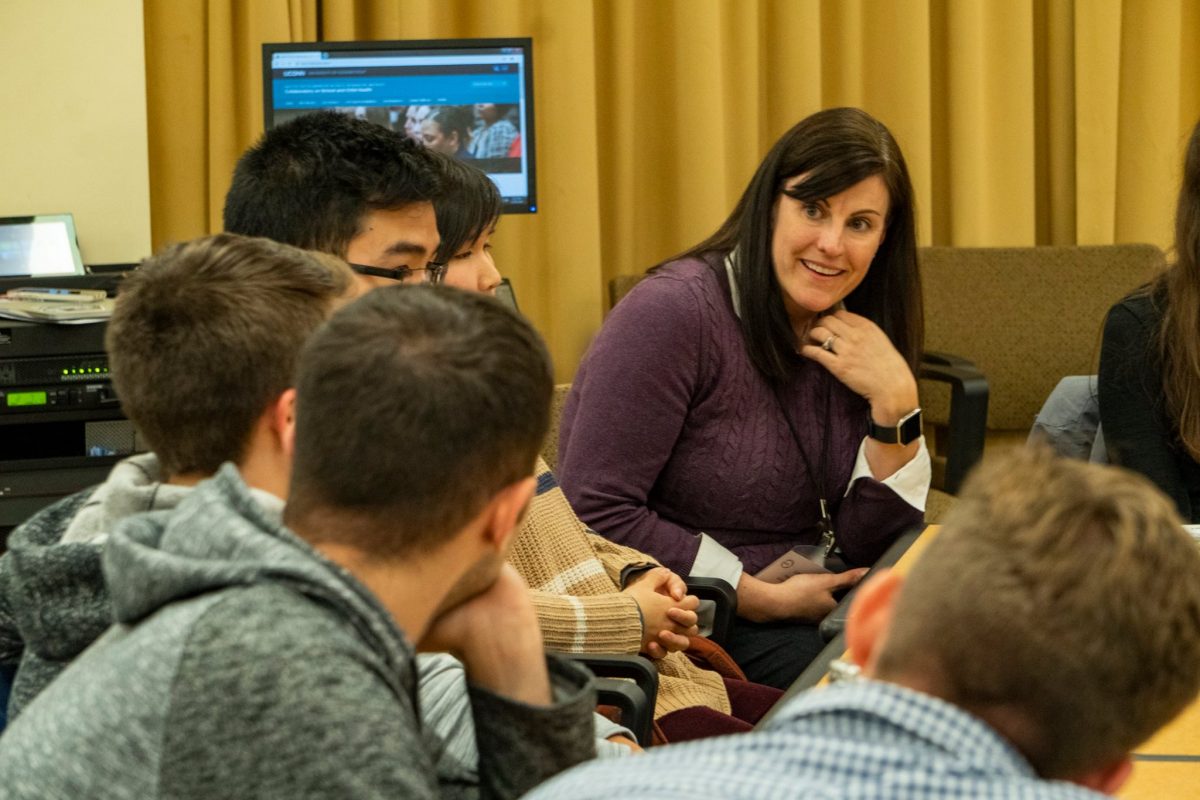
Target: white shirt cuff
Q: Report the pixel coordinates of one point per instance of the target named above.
(910, 482)
(714, 560)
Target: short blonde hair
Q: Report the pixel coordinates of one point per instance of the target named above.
(1060, 596)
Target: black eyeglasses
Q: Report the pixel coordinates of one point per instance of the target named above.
(434, 272)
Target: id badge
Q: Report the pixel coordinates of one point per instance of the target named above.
(801, 559)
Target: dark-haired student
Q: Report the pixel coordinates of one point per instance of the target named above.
(758, 391)
(1149, 383)
(591, 595)
(328, 182)
(278, 662)
(202, 345)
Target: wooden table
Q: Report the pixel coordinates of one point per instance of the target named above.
(1167, 767)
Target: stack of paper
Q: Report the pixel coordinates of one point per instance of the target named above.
(59, 311)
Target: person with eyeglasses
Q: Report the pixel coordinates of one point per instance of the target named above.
(328, 182)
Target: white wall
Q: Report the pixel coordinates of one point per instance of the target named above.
(73, 120)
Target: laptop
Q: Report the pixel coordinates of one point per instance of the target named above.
(39, 246)
(42, 250)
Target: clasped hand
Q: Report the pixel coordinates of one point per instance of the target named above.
(668, 612)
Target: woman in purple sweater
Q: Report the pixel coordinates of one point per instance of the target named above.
(762, 377)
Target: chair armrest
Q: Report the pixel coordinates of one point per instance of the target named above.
(968, 412)
(724, 601)
(812, 675)
(835, 621)
(630, 683)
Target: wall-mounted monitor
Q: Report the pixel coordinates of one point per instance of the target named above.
(472, 98)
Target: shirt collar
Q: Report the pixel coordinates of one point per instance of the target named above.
(734, 294)
(918, 715)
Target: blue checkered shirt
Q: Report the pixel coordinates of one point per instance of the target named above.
(858, 740)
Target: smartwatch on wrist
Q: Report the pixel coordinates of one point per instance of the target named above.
(906, 431)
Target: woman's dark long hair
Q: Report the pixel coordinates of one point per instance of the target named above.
(835, 148)
(1178, 340)
(468, 205)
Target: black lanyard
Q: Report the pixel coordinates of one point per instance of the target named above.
(828, 537)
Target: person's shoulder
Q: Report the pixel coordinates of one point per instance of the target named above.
(1142, 308)
(47, 526)
(691, 270)
(272, 620)
(685, 286)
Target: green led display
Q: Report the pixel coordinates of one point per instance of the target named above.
(26, 399)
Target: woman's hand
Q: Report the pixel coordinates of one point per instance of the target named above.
(863, 358)
(806, 597)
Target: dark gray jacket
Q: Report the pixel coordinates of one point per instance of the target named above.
(53, 602)
(245, 664)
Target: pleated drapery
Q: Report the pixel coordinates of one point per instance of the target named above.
(1023, 121)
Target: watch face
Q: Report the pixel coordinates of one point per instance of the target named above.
(910, 429)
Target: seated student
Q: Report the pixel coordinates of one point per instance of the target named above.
(274, 661)
(259, 300)
(202, 343)
(325, 182)
(1050, 628)
(1150, 363)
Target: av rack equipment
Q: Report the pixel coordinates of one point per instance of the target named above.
(61, 424)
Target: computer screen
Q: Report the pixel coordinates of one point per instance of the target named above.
(39, 245)
(471, 98)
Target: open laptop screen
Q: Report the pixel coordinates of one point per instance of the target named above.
(39, 245)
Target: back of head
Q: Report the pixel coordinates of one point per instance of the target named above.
(1061, 604)
(416, 405)
(207, 333)
(468, 205)
(310, 181)
(834, 149)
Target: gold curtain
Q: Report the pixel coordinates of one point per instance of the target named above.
(1023, 121)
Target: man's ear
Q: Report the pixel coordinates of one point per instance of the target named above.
(283, 421)
(871, 615)
(1107, 780)
(506, 512)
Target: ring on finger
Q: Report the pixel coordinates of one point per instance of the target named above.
(827, 345)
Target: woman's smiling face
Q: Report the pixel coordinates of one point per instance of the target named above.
(822, 249)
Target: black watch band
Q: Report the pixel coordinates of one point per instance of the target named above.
(906, 431)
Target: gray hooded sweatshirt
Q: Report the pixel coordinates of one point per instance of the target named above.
(53, 601)
(245, 664)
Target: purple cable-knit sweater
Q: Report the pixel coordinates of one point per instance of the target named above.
(670, 431)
